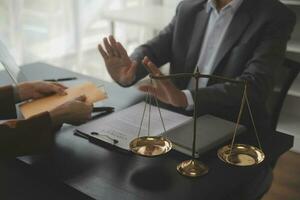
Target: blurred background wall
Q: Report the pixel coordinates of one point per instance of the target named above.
(66, 32)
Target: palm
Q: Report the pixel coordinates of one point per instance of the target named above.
(165, 90)
(118, 67)
(117, 61)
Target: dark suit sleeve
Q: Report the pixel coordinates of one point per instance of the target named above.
(7, 105)
(259, 70)
(22, 137)
(158, 49)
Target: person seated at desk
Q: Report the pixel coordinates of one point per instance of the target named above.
(34, 135)
(241, 39)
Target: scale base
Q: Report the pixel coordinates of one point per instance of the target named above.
(192, 168)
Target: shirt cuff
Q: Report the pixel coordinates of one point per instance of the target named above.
(190, 100)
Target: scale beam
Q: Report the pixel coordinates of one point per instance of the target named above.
(235, 154)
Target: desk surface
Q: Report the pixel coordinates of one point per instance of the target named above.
(107, 174)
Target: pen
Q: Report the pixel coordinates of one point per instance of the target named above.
(96, 140)
(102, 109)
(61, 79)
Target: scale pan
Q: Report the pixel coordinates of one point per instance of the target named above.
(150, 146)
(241, 155)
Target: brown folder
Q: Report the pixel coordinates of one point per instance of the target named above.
(90, 90)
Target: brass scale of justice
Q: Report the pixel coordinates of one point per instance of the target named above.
(233, 154)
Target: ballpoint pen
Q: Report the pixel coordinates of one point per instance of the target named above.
(102, 111)
(61, 79)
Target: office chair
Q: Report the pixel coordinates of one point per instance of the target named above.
(284, 77)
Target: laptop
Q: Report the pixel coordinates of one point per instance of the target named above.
(10, 65)
(15, 73)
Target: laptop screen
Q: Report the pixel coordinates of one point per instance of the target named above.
(10, 65)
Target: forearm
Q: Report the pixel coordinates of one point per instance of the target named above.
(23, 137)
(158, 49)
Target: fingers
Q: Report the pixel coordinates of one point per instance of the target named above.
(108, 47)
(60, 88)
(121, 49)
(59, 85)
(90, 108)
(112, 48)
(148, 88)
(113, 44)
(81, 98)
(57, 88)
(151, 67)
(47, 88)
(102, 52)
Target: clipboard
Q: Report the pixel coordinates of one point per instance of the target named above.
(105, 140)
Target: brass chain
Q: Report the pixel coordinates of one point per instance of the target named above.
(143, 116)
(239, 118)
(253, 123)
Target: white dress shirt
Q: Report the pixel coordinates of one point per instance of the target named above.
(217, 27)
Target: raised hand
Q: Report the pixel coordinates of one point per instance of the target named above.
(121, 68)
(39, 89)
(164, 90)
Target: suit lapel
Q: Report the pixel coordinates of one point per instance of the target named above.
(236, 28)
(196, 41)
(199, 29)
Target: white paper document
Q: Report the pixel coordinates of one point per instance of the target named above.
(124, 125)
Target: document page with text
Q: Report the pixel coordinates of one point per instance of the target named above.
(124, 125)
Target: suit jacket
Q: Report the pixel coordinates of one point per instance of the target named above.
(253, 48)
(21, 137)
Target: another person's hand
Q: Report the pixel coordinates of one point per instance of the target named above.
(164, 90)
(121, 68)
(74, 112)
(39, 89)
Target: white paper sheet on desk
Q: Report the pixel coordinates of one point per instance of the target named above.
(124, 125)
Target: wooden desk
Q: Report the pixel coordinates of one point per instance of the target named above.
(103, 173)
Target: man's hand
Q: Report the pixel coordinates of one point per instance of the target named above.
(117, 61)
(39, 89)
(164, 90)
(74, 112)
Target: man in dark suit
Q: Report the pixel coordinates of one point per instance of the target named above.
(241, 39)
(34, 135)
